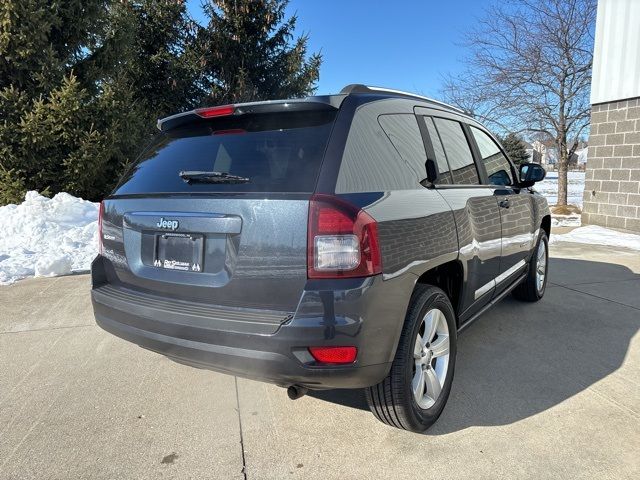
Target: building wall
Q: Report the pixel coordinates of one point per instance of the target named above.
(612, 185)
(611, 194)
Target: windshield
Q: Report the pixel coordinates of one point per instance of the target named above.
(275, 152)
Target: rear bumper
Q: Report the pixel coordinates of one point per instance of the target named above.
(256, 360)
(358, 312)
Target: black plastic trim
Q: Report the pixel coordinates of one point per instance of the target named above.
(465, 323)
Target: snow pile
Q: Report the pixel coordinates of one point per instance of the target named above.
(594, 235)
(575, 188)
(573, 220)
(47, 236)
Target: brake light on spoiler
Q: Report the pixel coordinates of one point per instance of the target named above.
(211, 112)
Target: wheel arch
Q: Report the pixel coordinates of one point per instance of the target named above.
(449, 277)
(546, 225)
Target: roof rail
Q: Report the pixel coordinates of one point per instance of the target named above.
(359, 88)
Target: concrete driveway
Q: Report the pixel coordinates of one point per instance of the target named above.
(550, 390)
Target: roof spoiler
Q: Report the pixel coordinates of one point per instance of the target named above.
(320, 103)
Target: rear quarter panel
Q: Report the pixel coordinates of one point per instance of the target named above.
(416, 226)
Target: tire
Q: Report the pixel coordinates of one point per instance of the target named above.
(393, 400)
(531, 289)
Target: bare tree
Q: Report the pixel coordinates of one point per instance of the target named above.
(529, 70)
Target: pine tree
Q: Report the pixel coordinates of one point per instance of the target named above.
(514, 147)
(43, 107)
(40, 41)
(249, 52)
(161, 67)
(11, 186)
(81, 84)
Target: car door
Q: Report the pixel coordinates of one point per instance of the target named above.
(474, 205)
(516, 206)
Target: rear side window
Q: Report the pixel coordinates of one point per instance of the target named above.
(277, 152)
(370, 161)
(458, 152)
(495, 163)
(402, 129)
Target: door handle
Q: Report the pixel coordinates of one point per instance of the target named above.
(504, 203)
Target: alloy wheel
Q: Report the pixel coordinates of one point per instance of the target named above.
(431, 358)
(541, 266)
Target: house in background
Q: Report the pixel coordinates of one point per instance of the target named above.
(547, 156)
(539, 153)
(612, 185)
(579, 158)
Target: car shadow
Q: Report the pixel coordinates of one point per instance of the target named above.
(520, 359)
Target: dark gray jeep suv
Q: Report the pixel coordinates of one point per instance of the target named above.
(334, 241)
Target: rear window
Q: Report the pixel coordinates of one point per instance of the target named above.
(277, 152)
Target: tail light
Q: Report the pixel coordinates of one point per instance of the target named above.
(342, 240)
(100, 214)
(334, 355)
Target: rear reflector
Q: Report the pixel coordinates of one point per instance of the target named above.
(342, 240)
(334, 355)
(211, 112)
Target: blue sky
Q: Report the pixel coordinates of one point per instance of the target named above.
(407, 44)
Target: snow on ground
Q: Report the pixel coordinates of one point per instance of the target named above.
(573, 220)
(47, 236)
(595, 235)
(575, 185)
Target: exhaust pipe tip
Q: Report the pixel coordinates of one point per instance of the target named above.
(295, 392)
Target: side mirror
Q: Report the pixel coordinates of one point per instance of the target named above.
(531, 173)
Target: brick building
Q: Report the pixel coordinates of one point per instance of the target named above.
(612, 186)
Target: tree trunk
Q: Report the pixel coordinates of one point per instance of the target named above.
(563, 162)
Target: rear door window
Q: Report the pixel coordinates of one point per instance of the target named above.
(444, 175)
(495, 162)
(458, 152)
(276, 152)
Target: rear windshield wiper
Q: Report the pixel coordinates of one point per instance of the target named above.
(197, 176)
